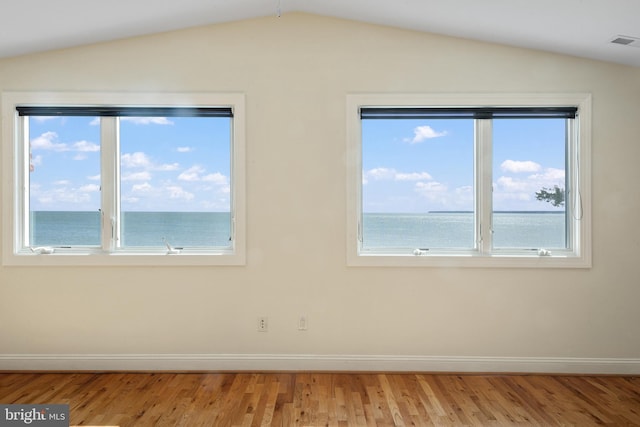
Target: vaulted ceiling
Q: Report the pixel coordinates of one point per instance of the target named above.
(582, 28)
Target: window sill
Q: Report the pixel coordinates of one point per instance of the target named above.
(468, 259)
(128, 258)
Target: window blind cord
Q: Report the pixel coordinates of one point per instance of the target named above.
(577, 206)
(577, 199)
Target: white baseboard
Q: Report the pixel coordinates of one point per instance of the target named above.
(310, 362)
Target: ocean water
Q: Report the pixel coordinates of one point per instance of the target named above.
(139, 229)
(455, 230)
(530, 230)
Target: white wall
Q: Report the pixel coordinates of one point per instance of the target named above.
(296, 72)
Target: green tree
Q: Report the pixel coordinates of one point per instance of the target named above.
(554, 195)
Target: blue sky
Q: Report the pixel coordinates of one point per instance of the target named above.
(182, 164)
(427, 165)
(166, 164)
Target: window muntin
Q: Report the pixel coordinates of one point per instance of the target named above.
(103, 112)
(573, 251)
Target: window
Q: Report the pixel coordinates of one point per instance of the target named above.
(124, 179)
(469, 180)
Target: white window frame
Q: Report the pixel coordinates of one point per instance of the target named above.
(15, 171)
(579, 156)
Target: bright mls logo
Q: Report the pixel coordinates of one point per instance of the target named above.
(34, 415)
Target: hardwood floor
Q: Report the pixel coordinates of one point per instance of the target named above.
(324, 399)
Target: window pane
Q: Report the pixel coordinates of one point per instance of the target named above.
(529, 172)
(417, 184)
(175, 181)
(64, 181)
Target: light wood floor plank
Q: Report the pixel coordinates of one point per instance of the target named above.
(326, 399)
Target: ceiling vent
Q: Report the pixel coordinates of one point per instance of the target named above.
(626, 41)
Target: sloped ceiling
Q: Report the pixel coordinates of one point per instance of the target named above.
(581, 28)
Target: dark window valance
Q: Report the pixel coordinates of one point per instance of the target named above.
(468, 112)
(110, 111)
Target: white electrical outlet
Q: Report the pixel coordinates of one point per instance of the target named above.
(303, 323)
(263, 324)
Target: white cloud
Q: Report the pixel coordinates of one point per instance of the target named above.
(64, 196)
(46, 141)
(436, 193)
(135, 160)
(177, 192)
(220, 180)
(216, 204)
(422, 133)
(532, 183)
(142, 188)
(89, 188)
(191, 174)
(94, 177)
(130, 199)
(184, 149)
(552, 175)
(140, 160)
(511, 185)
(85, 146)
(147, 120)
(523, 189)
(464, 197)
(136, 176)
(466, 189)
(390, 174)
(515, 166)
(195, 173)
(414, 176)
(378, 174)
(216, 178)
(430, 187)
(166, 167)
